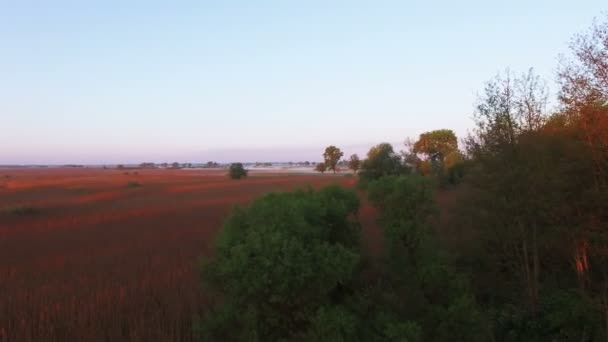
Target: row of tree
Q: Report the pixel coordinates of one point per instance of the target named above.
(434, 153)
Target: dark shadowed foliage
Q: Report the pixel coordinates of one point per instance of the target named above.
(237, 171)
(420, 283)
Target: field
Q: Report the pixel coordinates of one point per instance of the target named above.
(100, 255)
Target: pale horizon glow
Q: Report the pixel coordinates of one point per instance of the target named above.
(108, 82)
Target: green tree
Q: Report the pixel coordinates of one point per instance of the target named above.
(421, 285)
(332, 156)
(237, 171)
(354, 163)
(282, 268)
(536, 182)
(381, 161)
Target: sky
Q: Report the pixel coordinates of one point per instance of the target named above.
(94, 82)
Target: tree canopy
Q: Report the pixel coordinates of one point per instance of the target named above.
(354, 163)
(381, 161)
(435, 145)
(282, 266)
(332, 156)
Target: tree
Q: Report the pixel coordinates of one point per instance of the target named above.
(584, 99)
(284, 267)
(441, 156)
(175, 165)
(534, 189)
(321, 167)
(354, 163)
(420, 283)
(332, 156)
(508, 107)
(435, 145)
(381, 161)
(584, 78)
(237, 171)
(505, 171)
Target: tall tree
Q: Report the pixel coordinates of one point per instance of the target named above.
(332, 156)
(584, 96)
(507, 170)
(584, 76)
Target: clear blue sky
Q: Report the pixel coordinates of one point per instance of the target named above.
(103, 82)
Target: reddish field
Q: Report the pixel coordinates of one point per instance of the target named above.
(97, 260)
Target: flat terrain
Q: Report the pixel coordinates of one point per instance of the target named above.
(99, 255)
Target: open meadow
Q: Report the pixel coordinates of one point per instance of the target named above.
(100, 254)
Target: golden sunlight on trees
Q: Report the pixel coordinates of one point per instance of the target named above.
(332, 156)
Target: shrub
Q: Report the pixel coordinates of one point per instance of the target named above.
(237, 171)
(282, 266)
(133, 185)
(321, 167)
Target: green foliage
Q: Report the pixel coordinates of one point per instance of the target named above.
(381, 161)
(538, 194)
(425, 289)
(283, 262)
(237, 171)
(332, 156)
(403, 198)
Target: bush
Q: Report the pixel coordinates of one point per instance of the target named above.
(282, 266)
(321, 167)
(133, 185)
(237, 171)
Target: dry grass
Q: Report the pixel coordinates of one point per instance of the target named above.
(85, 258)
